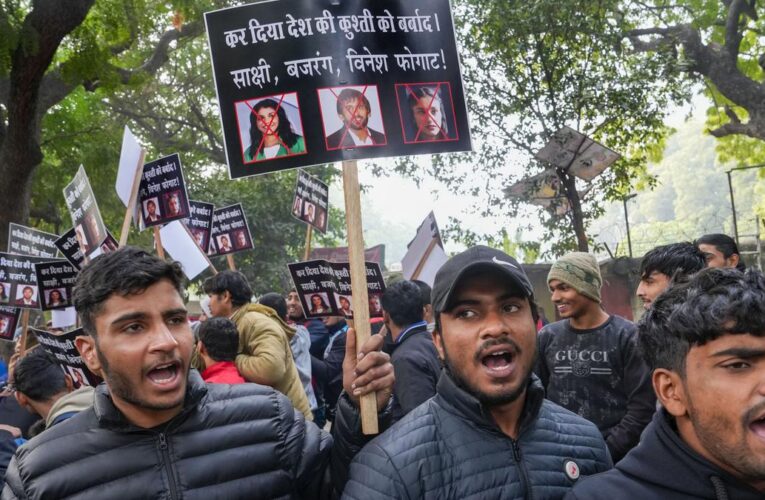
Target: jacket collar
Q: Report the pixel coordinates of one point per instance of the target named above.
(466, 405)
(110, 417)
(680, 469)
(409, 332)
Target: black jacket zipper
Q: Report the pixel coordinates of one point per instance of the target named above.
(529, 494)
(163, 447)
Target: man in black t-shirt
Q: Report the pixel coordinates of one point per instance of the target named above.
(588, 361)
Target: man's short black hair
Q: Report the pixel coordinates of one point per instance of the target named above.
(38, 376)
(724, 244)
(220, 338)
(232, 282)
(676, 260)
(276, 302)
(425, 291)
(713, 303)
(126, 271)
(403, 302)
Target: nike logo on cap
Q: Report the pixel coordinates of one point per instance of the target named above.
(502, 262)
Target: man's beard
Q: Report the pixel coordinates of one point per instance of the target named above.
(488, 400)
(362, 126)
(120, 386)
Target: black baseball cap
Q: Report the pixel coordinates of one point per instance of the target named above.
(478, 256)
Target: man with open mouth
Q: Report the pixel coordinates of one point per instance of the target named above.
(156, 430)
(488, 432)
(705, 342)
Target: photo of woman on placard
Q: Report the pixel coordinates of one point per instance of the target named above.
(319, 303)
(56, 298)
(4, 287)
(272, 134)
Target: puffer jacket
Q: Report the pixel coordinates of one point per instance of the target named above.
(663, 467)
(265, 356)
(229, 442)
(450, 448)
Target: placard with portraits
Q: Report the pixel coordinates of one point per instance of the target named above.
(61, 347)
(230, 231)
(55, 280)
(89, 228)
(311, 201)
(162, 196)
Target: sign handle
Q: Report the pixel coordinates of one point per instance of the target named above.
(24, 331)
(423, 260)
(133, 198)
(230, 260)
(308, 234)
(158, 243)
(360, 295)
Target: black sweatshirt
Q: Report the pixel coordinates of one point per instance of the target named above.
(598, 374)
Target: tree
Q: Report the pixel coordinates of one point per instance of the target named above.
(533, 67)
(50, 49)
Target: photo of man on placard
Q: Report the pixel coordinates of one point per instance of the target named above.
(151, 210)
(173, 205)
(240, 239)
(224, 244)
(309, 212)
(4, 323)
(352, 117)
(199, 237)
(26, 295)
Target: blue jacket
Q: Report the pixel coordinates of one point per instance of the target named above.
(450, 448)
(663, 467)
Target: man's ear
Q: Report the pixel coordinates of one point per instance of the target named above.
(201, 349)
(438, 341)
(226, 297)
(23, 401)
(670, 391)
(69, 383)
(86, 345)
(733, 260)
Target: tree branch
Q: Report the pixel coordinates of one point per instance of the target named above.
(732, 34)
(733, 128)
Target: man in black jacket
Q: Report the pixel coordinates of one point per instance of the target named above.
(414, 357)
(157, 431)
(488, 432)
(705, 341)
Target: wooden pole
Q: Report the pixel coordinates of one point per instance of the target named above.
(308, 234)
(131, 203)
(423, 260)
(24, 331)
(230, 260)
(158, 243)
(360, 296)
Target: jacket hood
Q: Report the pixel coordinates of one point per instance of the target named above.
(78, 400)
(466, 404)
(663, 458)
(260, 308)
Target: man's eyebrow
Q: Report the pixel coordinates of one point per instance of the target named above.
(175, 312)
(129, 317)
(741, 352)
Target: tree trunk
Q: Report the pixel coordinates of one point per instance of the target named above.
(40, 36)
(577, 217)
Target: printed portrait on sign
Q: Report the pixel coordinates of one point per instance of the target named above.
(26, 295)
(352, 117)
(270, 127)
(344, 305)
(200, 237)
(240, 239)
(321, 219)
(297, 207)
(174, 206)
(79, 234)
(309, 212)
(319, 303)
(151, 211)
(56, 297)
(375, 305)
(5, 325)
(224, 243)
(94, 230)
(5, 290)
(427, 112)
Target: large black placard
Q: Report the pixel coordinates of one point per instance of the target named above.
(303, 82)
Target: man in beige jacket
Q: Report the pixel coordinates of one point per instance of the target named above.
(264, 338)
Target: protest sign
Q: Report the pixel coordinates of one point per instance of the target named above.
(311, 201)
(325, 288)
(55, 280)
(573, 151)
(18, 281)
(63, 318)
(89, 229)
(230, 231)
(70, 248)
(9, 320)
(341, 254)
(365, 79)
(200, 223)
(60, 346)
(179, 243)
(162, 193)
(24, 240)
(425, 253)
(130, 162)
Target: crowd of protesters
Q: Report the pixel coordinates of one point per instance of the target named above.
(475, 397)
